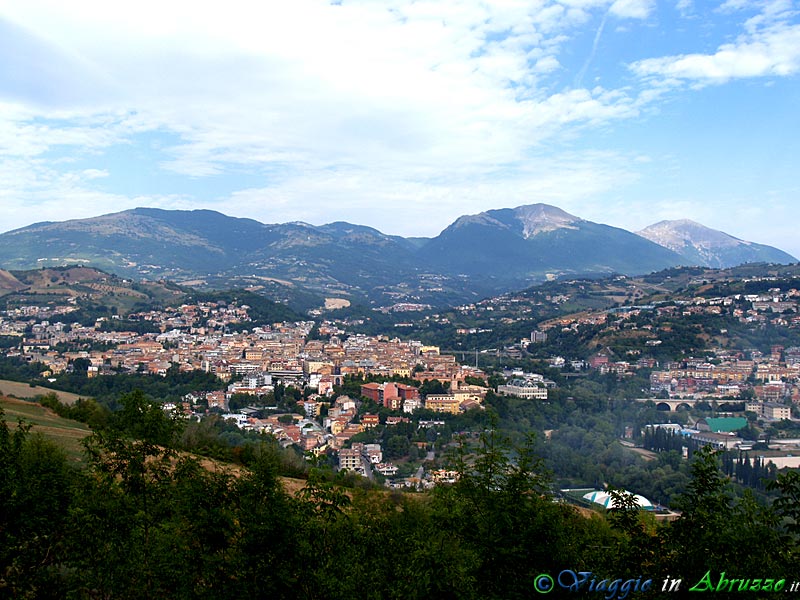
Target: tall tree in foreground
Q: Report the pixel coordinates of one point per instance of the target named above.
(35, 494)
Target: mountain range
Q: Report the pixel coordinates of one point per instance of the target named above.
(710, 248)
(477, 255)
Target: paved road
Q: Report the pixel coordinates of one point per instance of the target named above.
(431, 455)
(368, 470)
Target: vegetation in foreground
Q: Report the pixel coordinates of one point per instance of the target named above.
(145, 521)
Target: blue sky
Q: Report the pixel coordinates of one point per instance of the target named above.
(402, 114)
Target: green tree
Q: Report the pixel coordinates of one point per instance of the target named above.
(133, 460)
(81, 365)
(35, 496)
(787, 509)
(501, 513)
(397, 446)
(717, 533)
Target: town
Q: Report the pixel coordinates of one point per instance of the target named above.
(288, 379)
(253, 363)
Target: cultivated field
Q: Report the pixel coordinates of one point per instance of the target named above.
(64, 432)
(23, 390)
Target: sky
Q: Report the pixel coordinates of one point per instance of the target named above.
(405, 114)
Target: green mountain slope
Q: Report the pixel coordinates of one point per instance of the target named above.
(531, 242)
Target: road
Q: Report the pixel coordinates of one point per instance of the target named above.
(430, 456)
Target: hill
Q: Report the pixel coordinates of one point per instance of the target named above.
(477, 255)
(533, 242)
(65, 433)
(702, 245)
(94, 294)
(23, 390)
(9, 283)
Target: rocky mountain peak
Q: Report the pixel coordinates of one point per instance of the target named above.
(685, 232)
(541, 218)
(705, 246)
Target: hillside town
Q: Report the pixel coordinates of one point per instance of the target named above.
(722, 372)
(316, 358)
(253, 362)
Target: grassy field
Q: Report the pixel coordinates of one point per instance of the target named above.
(64, 432)
(23, 390)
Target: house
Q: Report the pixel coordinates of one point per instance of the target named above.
(386, 469)
(217, 400)
(443, 403)
(373, 452)
(773, 410)
(412, 404)
(388, 394)
(350, 458)
(373, 391)
(370, 420)
(407, 392)
(598, 360)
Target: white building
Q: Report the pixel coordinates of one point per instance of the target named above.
(523, 388)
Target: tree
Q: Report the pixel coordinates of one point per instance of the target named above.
(787, 505)
(81, 365)
(134, 461)
(705, 506)
(35, 496)
(500, 513)
(397, 446)
(715, 532)
(432, 386)
(238, 401)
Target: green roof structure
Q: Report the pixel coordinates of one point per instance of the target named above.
(723, 424)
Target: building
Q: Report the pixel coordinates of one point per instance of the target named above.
(443, 403)
(773, 410)
(538, 337)
(350, 458)
(370, 420)
(407, 392)
(389, 394)
(410, 405)
(720, 441)
(373, 391)
(721, 424)
(386, 469)
(523, 388)
(217, 400)
(374, 453)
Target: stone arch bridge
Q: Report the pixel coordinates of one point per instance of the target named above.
(671, 404)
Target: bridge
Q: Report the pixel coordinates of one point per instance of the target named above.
(670, 404)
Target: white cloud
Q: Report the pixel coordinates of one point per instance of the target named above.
(632, 9)
(31, 190)
(571, 181)
(774, 52)
(770, 46)
(353, 111)
(309, 81)
(734, 5)
(94, 173)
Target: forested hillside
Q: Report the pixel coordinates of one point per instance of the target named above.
(144, 520)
